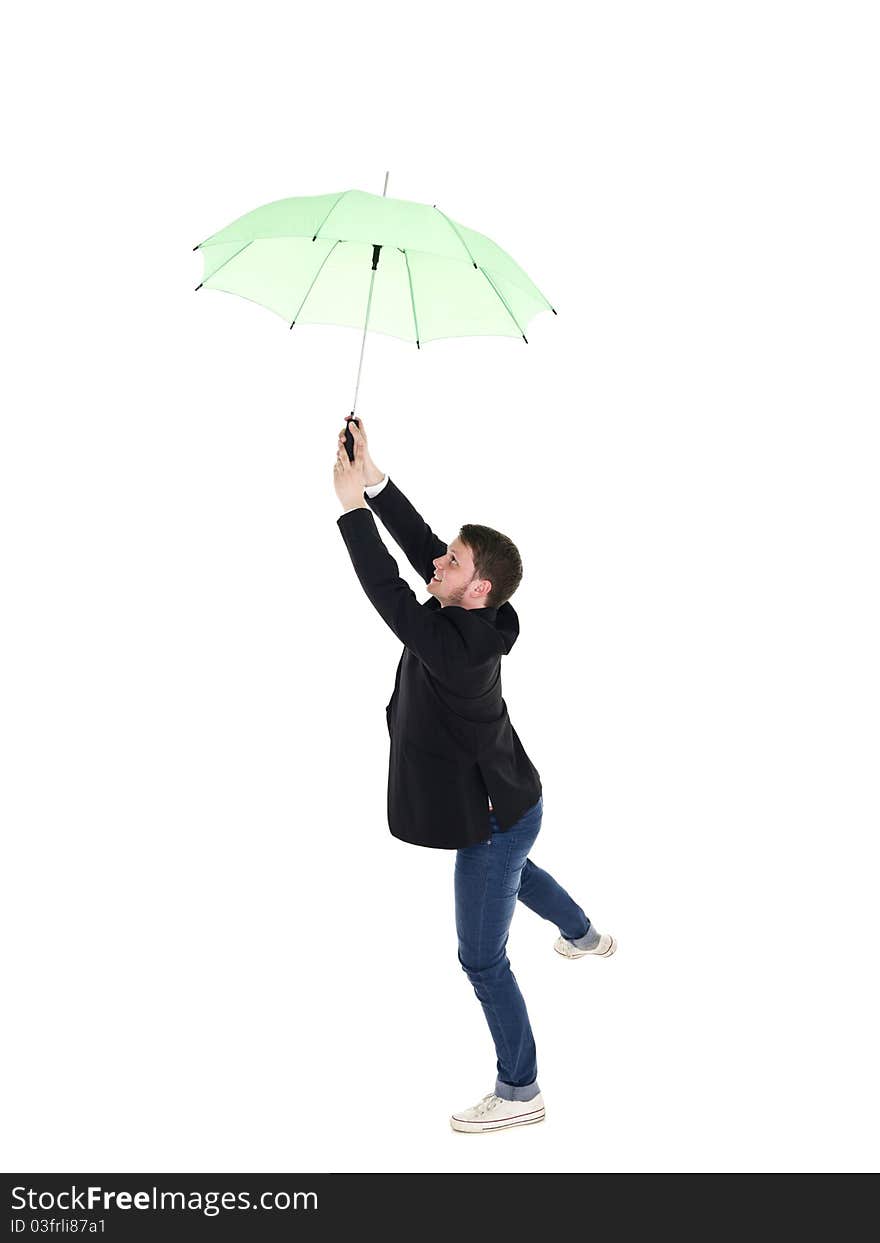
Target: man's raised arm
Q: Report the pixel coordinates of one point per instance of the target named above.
(405, 526)
(423, 629)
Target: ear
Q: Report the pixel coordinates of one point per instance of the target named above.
(482, 587)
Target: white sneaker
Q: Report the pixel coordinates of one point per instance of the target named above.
(495, 1114)
(604, 949)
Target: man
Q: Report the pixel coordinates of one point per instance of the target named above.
(459, 778)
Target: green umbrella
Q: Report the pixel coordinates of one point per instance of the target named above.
(400, 268)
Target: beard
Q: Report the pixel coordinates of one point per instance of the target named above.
(456, 597)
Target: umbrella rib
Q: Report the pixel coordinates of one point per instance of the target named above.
(550, 306)
(314, 278)
(506, 307)
(223, 265)
(412, 299)
(330, 213)
(457, 234)
(473, 261)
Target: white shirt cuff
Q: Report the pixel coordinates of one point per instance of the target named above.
(376, 488)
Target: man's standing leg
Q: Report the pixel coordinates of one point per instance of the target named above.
(487, 882)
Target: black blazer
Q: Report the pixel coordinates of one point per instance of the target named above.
(452, 744)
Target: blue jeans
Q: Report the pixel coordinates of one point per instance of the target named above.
(489, 877)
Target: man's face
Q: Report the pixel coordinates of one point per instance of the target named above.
(454, 579)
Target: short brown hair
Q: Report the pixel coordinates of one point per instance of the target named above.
(496, 558)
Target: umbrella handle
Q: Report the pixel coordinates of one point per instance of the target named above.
(349, 439)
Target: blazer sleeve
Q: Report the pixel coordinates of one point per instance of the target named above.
(408, 530)
(424, 631)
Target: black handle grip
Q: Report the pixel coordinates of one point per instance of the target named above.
(349, 439)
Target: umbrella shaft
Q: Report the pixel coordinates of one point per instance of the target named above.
(376, 250)
(363, 342)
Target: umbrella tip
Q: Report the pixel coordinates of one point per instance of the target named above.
(314, 237)
(418, 347)
(525, 338)
(196, 247)
(293, 323)
(553, 309)
(198, 287)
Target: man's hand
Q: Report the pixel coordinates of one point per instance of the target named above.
(348, 477)
(372, 474)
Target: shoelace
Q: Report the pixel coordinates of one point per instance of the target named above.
(487, 1103)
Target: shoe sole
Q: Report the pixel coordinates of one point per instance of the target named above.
(477, 1128)
(588, 953)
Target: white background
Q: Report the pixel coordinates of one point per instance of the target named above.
(217, 958)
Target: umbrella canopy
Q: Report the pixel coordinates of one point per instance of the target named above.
(311, 261)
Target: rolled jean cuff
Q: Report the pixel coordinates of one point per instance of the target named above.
(508, 1092)
(589, 940)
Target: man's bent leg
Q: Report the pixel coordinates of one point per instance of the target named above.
(546, 897)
